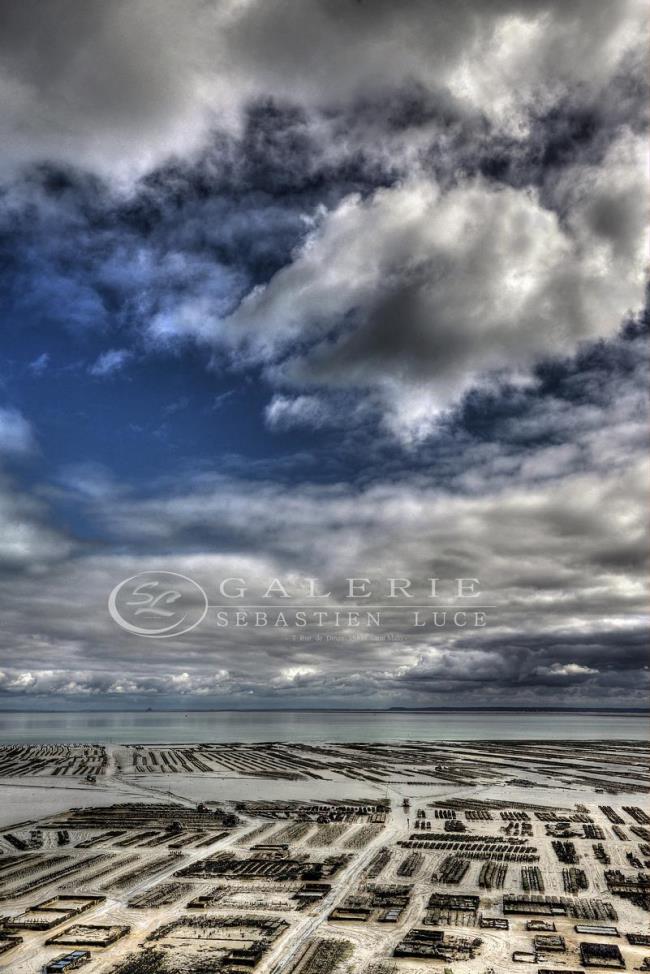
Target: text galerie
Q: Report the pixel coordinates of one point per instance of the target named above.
(356, 602)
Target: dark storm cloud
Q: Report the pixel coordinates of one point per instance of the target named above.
(79, 252)
(578, 128)
(122, 85)
(555, 661)
(385, 294)
(295, 166)
(172, 260)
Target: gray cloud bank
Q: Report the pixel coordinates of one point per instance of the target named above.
(563, 565)
(398, 215)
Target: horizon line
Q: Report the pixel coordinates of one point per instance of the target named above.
(374, 710)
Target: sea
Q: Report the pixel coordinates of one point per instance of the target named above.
(309, 726)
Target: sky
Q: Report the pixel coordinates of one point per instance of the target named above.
(324, 289)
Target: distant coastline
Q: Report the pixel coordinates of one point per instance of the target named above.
(147, 726)
(636, 711)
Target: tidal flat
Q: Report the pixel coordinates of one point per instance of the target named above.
(397, 857)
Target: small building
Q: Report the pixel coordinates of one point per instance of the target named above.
(89, 935)
(8, 941)
(601, 955)
(549, 941)
(245, 956)
(68, 962)
(391, 915)
(524, 957)
(348, 914)
(494, 923)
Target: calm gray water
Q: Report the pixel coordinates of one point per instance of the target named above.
(311, 727)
